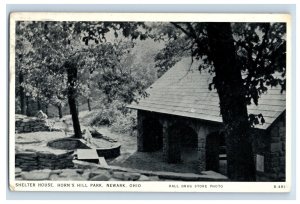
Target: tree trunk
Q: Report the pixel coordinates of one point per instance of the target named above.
(27, 106)
(72, 79)
(60, 113)
(46, 109)
(89, 104)
(240, 159)
(22, 94)
(39, 105)
(77, 107)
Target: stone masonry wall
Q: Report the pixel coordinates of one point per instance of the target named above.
(25, 124)
(28, 161)
(202, 129)
(270, 145)
(275, 163)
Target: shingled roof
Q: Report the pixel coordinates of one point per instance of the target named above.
(183, 91)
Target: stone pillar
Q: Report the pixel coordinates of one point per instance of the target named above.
(212, 151)
(171, 143)
(201, 148)
(140, 131)
(174, 153)
(165, 140)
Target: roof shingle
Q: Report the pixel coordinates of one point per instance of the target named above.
(183, 91)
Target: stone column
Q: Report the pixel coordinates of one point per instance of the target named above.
(201, 148)
(165, 140)
(171, 143)
(212, 151)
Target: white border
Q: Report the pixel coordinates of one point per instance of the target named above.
(155, 186)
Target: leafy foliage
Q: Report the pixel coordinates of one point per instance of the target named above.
(260, 52)
(98, 52)
(116, 116)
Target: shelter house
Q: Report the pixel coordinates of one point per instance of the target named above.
(181, 117)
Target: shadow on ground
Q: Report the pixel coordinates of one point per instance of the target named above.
(153, 161)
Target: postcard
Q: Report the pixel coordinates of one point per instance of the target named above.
(150, 102)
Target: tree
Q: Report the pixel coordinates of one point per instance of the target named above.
(244, 58)
(22, 49)
(229, 85)
(60, 50)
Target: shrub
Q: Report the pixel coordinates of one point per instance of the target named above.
(105, 116)
(125, 123)
(117, 116)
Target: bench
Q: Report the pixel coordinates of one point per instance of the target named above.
(89, 155)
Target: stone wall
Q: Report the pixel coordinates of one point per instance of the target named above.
(28, 161)
(268, 145)
(168, 123)
(25, 124)
(275, 161)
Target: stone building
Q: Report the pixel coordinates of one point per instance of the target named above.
(181, 118)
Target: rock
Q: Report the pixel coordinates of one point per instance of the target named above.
(18, 170)
(114, 179)
(84, 165)
(56, 171)
(73, 178)
(28, 168)
(144, 178)
(118, 175)
(131, 176)
(153, 178)
(70, 178)
(86, 175)
(96, 172)
(276, 147)
(46, 170)
(102, 177)
(26, 154)
(44, 155)
(211, 175)
(68, 173)
(80, 171)
(54, 177)
(34, 175)
(27, 129)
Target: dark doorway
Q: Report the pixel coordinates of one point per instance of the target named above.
(189, 144)
(216, 158)
(153, 139)
(183, 143)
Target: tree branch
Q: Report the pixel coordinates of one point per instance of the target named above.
(182, 29)
(192, 31)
